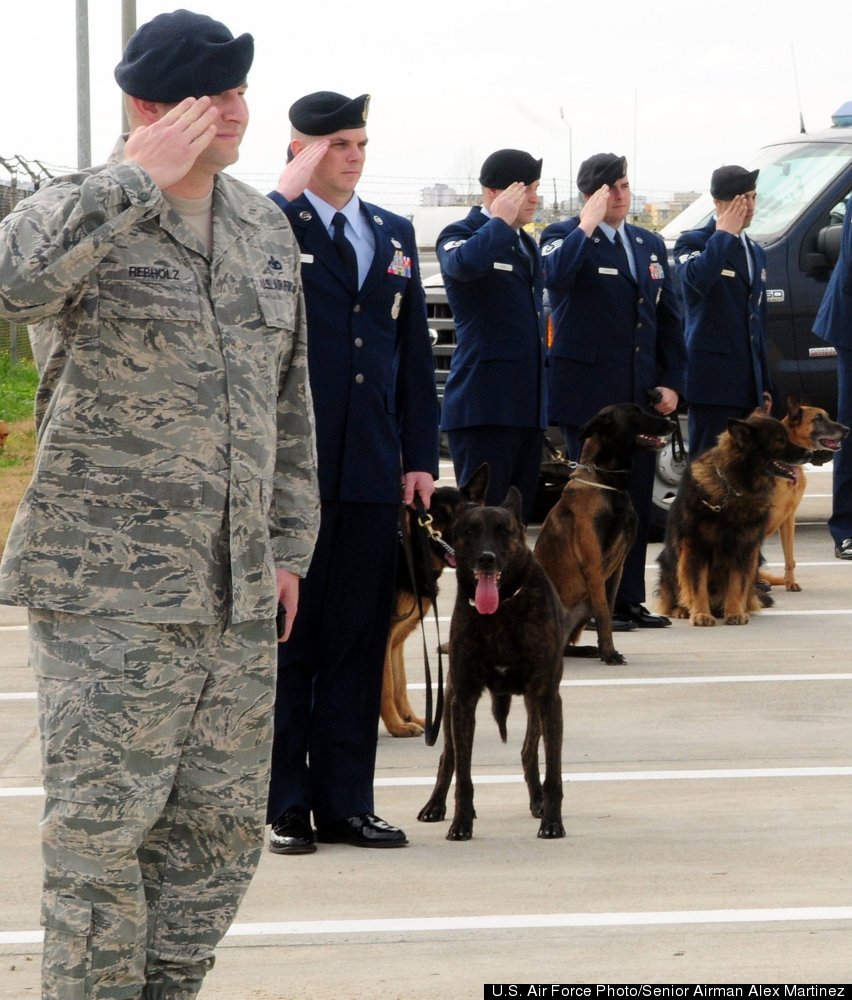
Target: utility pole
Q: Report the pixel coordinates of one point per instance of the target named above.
(128, 26)
(84, 107)
(570, 163)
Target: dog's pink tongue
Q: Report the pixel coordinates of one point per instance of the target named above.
(487, 599)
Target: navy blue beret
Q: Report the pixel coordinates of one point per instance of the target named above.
(600, 169)
(324, 112)
(183, 54)
(508, 166)
(727, 182)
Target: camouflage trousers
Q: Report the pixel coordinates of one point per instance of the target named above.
(155, 743)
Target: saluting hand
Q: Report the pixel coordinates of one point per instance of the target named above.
(732, 217)
(508, 203)
(296, 176)
(594, 211)
(168, 147)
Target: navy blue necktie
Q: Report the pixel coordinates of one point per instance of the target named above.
(621, 250)
(346, 251)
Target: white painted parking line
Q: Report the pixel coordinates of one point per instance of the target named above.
(700, 774)
(522, 921)
(709, 774)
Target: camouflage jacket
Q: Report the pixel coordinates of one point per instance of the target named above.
(176, 460)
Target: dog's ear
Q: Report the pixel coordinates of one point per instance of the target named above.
(740, 431)
(514, 502)
(475, 488)
(597, 424)
(794, 411)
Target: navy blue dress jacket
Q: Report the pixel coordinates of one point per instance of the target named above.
(725, 318)
(614, 337)
(833, 322)
(493, 278)
(370, 363)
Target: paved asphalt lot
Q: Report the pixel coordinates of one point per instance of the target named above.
(708, 806)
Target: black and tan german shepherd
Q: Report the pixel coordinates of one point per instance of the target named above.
(586, 536)
(709, 560)
(429, 557)
(507, 635)
(809, 427)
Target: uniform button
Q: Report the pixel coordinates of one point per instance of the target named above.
(143, 196)
(359, 378)
(356, 309)
(638, 326)
(636, 349)
(359, 342)
(641, 302)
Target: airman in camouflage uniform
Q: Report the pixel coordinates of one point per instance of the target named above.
(174, 503)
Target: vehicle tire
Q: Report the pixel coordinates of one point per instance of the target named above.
(671, 463)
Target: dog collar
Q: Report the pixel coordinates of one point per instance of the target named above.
(600, 486)
(717, 508)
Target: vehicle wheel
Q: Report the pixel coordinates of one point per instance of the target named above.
(671, 463)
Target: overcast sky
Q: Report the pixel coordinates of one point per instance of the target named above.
(679, 88)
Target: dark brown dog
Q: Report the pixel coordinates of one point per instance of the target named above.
(428, 562)
(506, 635)
(812, 428)
(586, 536)
(717, 521)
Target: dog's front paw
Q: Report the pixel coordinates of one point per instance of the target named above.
(460, 830)
(703, 619)
(737, 618)
(536, 807)
(432, 812)
(551, 830)
(406, 729)
(794, 587)
(614, 658)
(682, 613)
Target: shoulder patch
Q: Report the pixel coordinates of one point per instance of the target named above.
(452, 244)
(550, 247)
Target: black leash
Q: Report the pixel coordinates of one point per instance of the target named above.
(427, 536)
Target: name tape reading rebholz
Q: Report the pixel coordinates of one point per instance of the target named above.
(629, 990)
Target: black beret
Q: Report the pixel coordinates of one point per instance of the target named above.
(728, 182)
(600, 169)
(325, 112)
(507, 166)
(183, 54)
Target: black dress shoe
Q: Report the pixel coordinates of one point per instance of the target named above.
(640, 616)
(291, 833)
(618, 625)
(844, 549)
(366, 830)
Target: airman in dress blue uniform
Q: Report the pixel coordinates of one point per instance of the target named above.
(833, 324)
(723, 281)
(372, 376)
(494, 406)
(617, 336)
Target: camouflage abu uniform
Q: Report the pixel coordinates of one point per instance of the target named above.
(175, 470)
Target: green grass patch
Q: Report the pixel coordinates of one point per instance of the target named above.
(18, 385)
